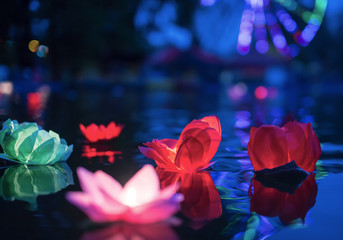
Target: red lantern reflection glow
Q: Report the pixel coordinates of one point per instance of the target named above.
(271, 202)
(92, 152)
(202, 200)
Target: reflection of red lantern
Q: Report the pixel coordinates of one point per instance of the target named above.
(92, 151)
(271, 202)
(271, 146)
(125, 231)
(193, 150)
(95, 133)
(202, 199)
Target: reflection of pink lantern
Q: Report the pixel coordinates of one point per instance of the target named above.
(124, 231)
(193, 150)
(140, 201)
(202, 200)
(95, 133)
(272, 202)
(91, 152)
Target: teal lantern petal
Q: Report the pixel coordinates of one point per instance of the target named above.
(28, 144)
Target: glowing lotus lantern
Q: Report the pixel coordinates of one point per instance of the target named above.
(271, 146)
(27, 143)
(140, 201)
(192, 152)
(95, 133)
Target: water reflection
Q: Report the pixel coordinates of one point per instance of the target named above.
(101, 151)
(26, 183)
(273, 202)
(123, 231)
(202, 200)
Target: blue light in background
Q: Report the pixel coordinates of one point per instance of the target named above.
(216, 27)
(207, 2)
(34, 5)
(157, 22)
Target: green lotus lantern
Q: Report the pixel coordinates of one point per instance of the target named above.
(26, 183)
(27, 143)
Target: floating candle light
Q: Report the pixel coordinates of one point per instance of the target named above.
(271, 146)
(95, 133)
(27, 143)
(140, 200)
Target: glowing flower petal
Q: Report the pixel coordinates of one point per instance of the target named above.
(193, 151)
(271, 146)
(139, 201)
(27, 143)
(95, 133)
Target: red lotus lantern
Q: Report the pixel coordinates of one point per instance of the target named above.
(192, 152)
(95, 133)
(271, 146)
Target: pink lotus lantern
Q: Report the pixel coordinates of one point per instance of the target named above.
(95, 133)
(140, 201)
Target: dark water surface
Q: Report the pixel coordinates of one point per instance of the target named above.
(33, 206)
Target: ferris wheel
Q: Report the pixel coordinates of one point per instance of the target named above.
(290, 24)
(224, 27)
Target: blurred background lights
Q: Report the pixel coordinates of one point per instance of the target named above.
(42, 51)
(158, 23)
(207, 2)
(237, 91)
(34, 5)
(261, 92)
(272, 92)
(262, 46)
(33, 45)
(217, 26)
(6, 88)
(261, 16)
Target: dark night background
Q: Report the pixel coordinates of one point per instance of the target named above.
(154, 66)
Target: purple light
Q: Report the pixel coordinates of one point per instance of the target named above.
(279, 41)
(243, 114)
(290, 25)
(260, 33)
(262, 46)
(259, 19)
(207, 2)
(242, 123)
(243, 50)
(244, 38)
(283, 17)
